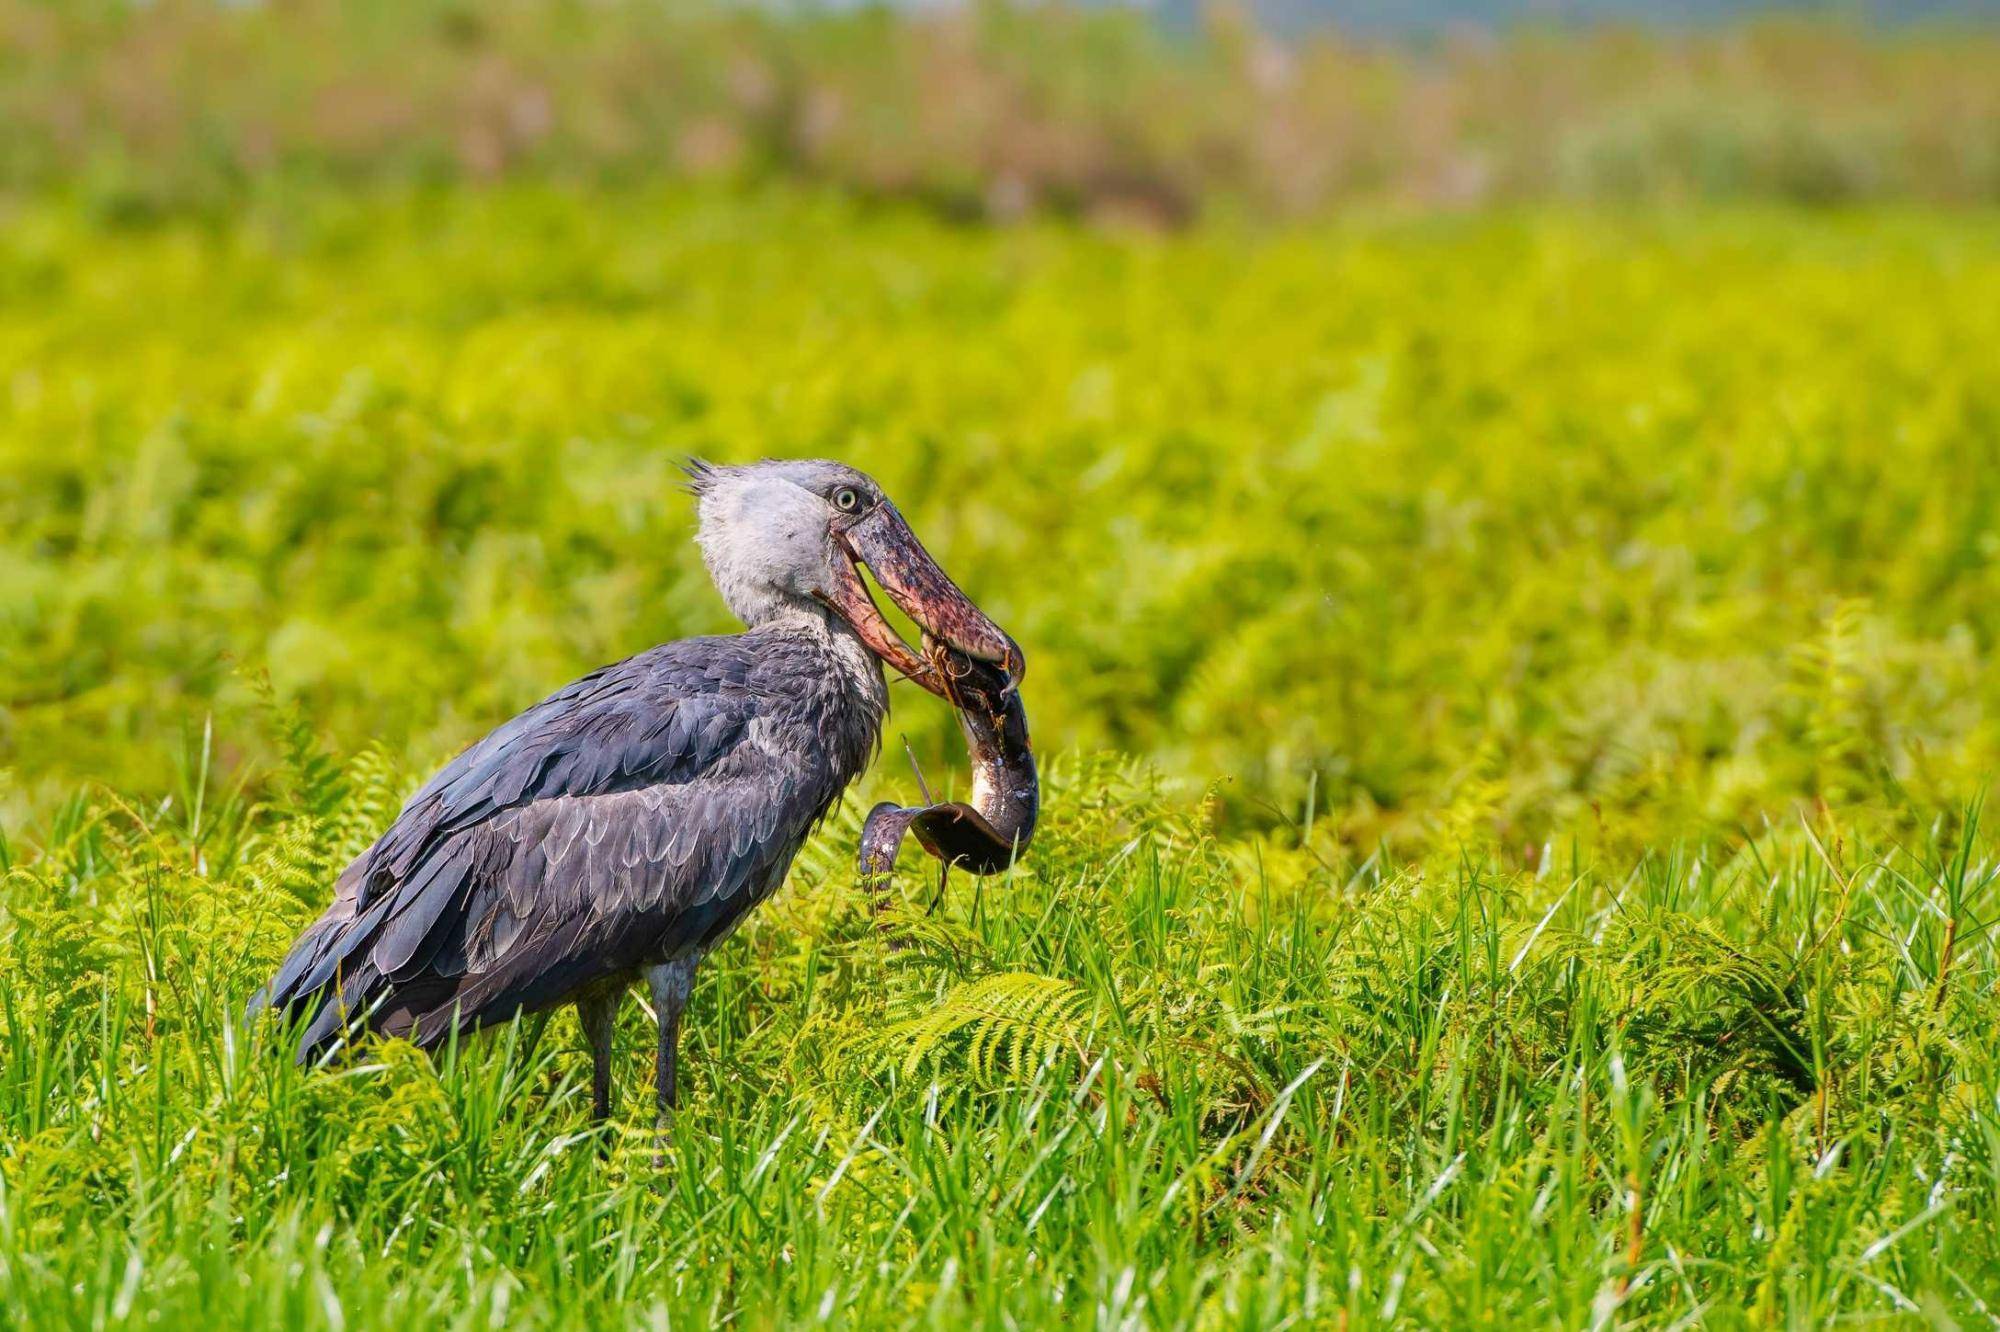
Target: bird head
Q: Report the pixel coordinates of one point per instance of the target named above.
(779, 535)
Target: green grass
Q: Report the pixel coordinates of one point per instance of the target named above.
(1546, 888)
(1144, 1081)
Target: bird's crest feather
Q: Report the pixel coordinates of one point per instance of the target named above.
(701, 476)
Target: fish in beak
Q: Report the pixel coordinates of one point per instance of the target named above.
(883, 541)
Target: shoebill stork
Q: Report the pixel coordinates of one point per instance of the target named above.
(622, 827)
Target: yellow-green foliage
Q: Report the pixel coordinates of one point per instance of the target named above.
(1484, 528)
(1543, 882)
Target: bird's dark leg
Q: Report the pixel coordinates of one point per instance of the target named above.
(598, 1014)
(671, 985)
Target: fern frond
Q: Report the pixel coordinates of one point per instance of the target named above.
(373, 786)
(1002, 1027)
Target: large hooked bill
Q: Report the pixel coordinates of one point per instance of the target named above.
(955, 630)
(987, 834)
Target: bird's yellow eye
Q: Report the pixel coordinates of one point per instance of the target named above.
(846, 499)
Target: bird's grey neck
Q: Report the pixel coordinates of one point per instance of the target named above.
(859, 668)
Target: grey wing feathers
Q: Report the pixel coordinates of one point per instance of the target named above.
(630, 813)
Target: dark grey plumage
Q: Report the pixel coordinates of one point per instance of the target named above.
(627, 821)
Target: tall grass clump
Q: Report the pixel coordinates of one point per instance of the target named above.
(1150, 1077)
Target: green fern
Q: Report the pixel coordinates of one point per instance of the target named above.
(931, 941)
(310, 780)
(372, 786)
(999, 1028)
(322, 812)
(1829, 680)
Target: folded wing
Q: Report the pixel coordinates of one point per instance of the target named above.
(626, 819)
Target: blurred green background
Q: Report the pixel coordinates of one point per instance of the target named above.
(1576, 510)
(1464, 429)
(1457, 429)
